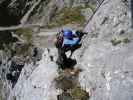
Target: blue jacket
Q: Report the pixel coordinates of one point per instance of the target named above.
(71, 42)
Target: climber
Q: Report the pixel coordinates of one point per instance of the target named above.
(71, 41)
(67, 41)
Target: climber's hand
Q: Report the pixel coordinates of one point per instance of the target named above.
(80, 33)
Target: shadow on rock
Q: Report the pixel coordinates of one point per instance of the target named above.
(13, 77)
(64, 96)
(68, 63)
(17, 64)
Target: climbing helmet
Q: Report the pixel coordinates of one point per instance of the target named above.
(67, 33)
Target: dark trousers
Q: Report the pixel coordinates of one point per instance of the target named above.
(62, 58)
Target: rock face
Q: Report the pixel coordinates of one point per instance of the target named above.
(36, 81)
(11, 66)
(108, 71)
(4, 89)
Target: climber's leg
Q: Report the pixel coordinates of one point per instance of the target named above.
(62, 58)
(74, 48)
(59, 59)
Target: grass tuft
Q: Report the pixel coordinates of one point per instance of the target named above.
(117, 41)
(91, 6)
(126, 40)
(79, 94)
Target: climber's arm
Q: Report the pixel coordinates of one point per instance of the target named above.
(71, 42)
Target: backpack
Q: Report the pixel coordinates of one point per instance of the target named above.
(59, 40)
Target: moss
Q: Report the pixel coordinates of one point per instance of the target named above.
(115, 41)
(126, 40)
(64, 82)
(68, 16)
(91, 6)
(64, 96)
(14, 98)
(79, 94)
(70, 86)
(75, 94)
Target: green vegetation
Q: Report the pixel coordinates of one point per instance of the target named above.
(117, 41)
(71, 15)
(14, 98)
(91, 6)
(67, 16)
(8, 43)
(26, 33)
(63, 82)
(126, 40)
(79, 94)
(70, 86)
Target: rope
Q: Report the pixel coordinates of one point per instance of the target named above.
(93, 15)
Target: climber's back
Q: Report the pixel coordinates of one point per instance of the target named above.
(66, 38)
(69, 39)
